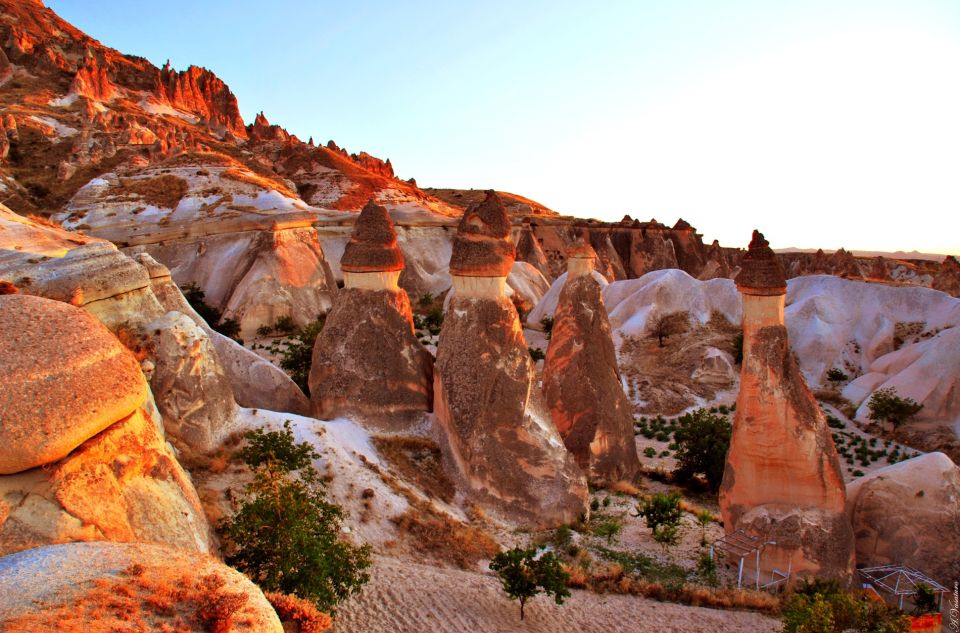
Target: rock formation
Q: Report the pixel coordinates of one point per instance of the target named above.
(581, 380)
(782, 480)
(947, 278)
(105, 587)
(496, 433)
(367, 361)
(82, 453)
(909, 514)
(199, 91)
(529, 250)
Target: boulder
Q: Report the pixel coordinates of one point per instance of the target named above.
(63, 379)
(909, 514)
(189, 384)
(581, 380)
(106, 587)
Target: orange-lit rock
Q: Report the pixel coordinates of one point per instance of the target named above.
(63, 379)
(367, 361)
(498, 440)
(782, 480)
(106, 587)
(199, 91)
(581, 380)
(92, 81)
(84, 457)
(947, 278)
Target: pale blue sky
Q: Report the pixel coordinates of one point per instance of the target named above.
(824, 123)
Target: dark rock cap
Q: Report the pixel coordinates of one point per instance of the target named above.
(373, 245)
(482, 246)
(581, 249)
(760, 272)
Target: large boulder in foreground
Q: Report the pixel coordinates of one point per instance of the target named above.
(106, 587)
(581, 380)
(63, 379)
(909, 514)
(496, 432)
(109, 475)
(367, 362)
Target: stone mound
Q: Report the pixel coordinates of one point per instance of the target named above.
(760, 269)
(482, 246)
(373, 244)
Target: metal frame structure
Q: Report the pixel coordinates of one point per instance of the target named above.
(739, 544)
(899, 581)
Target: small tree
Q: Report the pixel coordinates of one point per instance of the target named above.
(885, 405)
(704, 518)
(925, 600)
(296, 355)
(662, 513)
(835, 374)
(667, 324)
(524, 575)
(547, 324)
(285, 536)
(702, 439)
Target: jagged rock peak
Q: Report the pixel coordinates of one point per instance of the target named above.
(482, 246)
(201, 92)
(760, 271)
(373, 245)
(682, 225)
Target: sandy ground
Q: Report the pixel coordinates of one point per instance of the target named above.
(404, 597)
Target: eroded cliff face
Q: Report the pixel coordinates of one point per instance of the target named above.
(582, 387)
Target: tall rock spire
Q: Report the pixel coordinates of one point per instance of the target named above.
(497, 437)
(581, 380)
(367, 361)
(782, 482)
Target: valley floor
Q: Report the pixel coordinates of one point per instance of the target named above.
(404, 597)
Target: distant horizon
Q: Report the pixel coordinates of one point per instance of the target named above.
(828, 125)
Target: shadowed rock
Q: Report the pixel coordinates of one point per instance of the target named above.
(782, 480)
(581, 380)
(367, 361)
(498, 440)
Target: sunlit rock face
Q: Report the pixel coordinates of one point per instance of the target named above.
(495, 430)
(256, 382)
(782, 480)
(104, 587)
(947, 278)
(581, 381)
(82, 452)
(367, 361)
(909, 514)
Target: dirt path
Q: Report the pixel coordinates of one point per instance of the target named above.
(405, 597)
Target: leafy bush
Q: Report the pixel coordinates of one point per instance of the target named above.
(702, 439)
(885, 405)
(285, 325)
(836, 374)
(426, 300)
(296, 354)
(823, 607)
(925, 600)
(536, 353)
(434, 320)
(285, 534)
(738, 348)
(662, 513)
(707, 569)
(650, 451)
(668, 324)
(524, 575)
(214, 318)
(547, 323)
(264, 330)
(608, 528)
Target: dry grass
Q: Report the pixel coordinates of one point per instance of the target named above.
(298, 615)
(164, 192)
(257, 180)
(441, 537)
(625, 488)
(144, 600)
(416, 460)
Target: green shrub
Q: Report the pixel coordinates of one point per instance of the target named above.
(823, 607)
(536, 353)
(836, 375)
(662, 514)
(925, 600)
(547, 324)
(707, 569)
(264, 330)
(650, 451)
(523, 575)
(285, 325)
(607, 527)
(702, 439)
(213, 317)
(285, 536)
(886, 406)
(296, 354)
(426, 300)
(738, 348)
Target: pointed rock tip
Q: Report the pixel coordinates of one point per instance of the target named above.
(760, 270)
(373, 245)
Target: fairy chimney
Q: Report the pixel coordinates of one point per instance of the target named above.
(495, 432)
(581, 380)
(367, 361)
(782, 482)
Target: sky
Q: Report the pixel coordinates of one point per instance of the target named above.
(824, 123)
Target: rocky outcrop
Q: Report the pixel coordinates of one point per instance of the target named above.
(261, 130)
(879, 270)
(256, 383)
(782, 480)
(189, 384)
(367, 361)
(581, 380)
(947, 278)
(91, 81)
(108, 474)
(498, 440)
(529, 250)
(105, 587)
(909, 514)
(200, 92)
